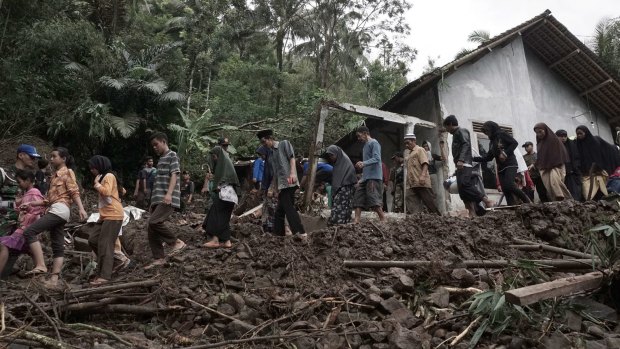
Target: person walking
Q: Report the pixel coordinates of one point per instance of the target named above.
(258, 168)
(552, 156)
(284, 184)
(467, 181)
(502, 148)
(398, 182)
(369, 192)
(418, 183)
(598, 159)
(224, 196)
(165, 197)
(343, 185)
(144, 183)
(573, 167)
(530, 158)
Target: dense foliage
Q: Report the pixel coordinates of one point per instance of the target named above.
(99, 75)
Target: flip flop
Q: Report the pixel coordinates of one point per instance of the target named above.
(177, 250)
(35, 272)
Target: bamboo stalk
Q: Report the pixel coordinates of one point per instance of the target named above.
(549, 248)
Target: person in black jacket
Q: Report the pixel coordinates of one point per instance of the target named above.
(502, 149)
(465, 179)
(573, 173)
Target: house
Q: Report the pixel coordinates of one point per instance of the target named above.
(535, 72)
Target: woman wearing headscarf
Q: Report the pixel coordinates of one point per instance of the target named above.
(225, 183)
(551, 159)
(573, 170)
(502, 149)
(343, 185)
(598, 159)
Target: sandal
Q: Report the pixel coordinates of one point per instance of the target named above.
(177, 250)
(35, 272)
(155, 263)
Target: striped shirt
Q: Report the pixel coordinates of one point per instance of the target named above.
(166, 166)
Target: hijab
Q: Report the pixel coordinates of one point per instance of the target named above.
(223, 168)
(344, 172)
(551, 150)
(102, 164)
(595, 150)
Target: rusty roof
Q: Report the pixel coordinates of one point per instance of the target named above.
(558, 48)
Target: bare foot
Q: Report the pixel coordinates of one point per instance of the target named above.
(226, 244)
(177, 247)
(155, 263)
(214, 243)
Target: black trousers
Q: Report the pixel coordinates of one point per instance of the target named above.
(217, 222)
(55, 225)
(509, 187)
(540, 188)
(573, 183)
(286, 209)
(467, 185)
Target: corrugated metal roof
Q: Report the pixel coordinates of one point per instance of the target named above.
(558, 48)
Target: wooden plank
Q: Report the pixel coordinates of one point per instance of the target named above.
(315, 150)
(560, 287)
(247, 213)
(381, 114)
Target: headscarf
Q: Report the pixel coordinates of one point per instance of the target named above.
(595, 150)
(102, 164)
(344, 172)
(501, 142)
(551, 150)
(223, 168)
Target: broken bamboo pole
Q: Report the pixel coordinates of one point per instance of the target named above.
(105, 289)
(498, 263)
(560, 287)
(549, 248)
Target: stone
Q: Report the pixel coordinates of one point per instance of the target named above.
(375, 330)
(236, 301)
(573, 321)
(374, 290)
(612, 343)
(555, 340)
(262, 282)
(465, 277)
(516, 343)
(355, 341)
(596, 331)
(388, 251)
(304, 343)
(196, 332)
(368, 282)
(344, 252)
(404, 317)
(404, 284)
(391, 305)
(365, 346)
(301, 325)
(346, 317)
(403, 338)
(440, 333)
(597, 310)
(374, 299)
(333, 341)
(226, 309)
(441, 297)
(397, 271)
(239, 327)
(380, 346)
(189, 268)
(387, 292)
(596, 345)
(254, 301)
(243, 255)
(436, 341)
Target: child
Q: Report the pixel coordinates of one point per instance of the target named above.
(111, 215)
(165, 197)
(63, 192)
(29, 215)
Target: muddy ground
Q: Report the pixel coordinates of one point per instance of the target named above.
(267, 285)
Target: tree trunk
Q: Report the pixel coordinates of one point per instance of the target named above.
(280, 59)
(189, 92)
(208, 89)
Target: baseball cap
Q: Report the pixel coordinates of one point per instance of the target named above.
(526, 144)
(28, 149)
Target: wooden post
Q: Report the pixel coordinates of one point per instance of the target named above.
(315, 149)
(560, 287)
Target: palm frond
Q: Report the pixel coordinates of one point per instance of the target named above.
(479, 36)
(156, 87)
(172, 96)
(117, 84)
(125, 126)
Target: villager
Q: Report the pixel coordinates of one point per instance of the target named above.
(270, 201)
(284, 184)
(41, 177)
(165, 197)
(398, 182)
(369, 191)
(224, 196)
(223, 143)
(418, 183)
(187, 188)
(552, 156)
(530, 158)
(63, 192)
(259, 167)
(111, 214)
(598, 160)
(502, 149)
(467, 181)
(26, 156)
(343, 185)
(144, 183)
(573, 167)
(433, 166)
(323, 173)
(15, 243)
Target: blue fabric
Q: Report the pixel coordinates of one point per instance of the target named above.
(321, 166)
(372, 161)
(267, 171)
(259, 168)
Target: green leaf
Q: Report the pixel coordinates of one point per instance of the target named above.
(172, 96)
(156, 87)
(125, 126)
(600, 227)
(500, 303)
(478, 334)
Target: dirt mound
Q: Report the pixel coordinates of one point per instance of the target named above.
(267, 285)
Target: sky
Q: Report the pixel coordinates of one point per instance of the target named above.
(439, 28)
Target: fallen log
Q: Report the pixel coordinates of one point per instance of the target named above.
(105, 289)
(497, 263)
(560, 287)
(536, 246)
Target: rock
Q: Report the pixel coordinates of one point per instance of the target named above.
(344, 252)
(516, 343)
(346, 317)
(365, 346)
(466, 278)
(80, 244)
(404, 317)
(391, 305)
(388, 251)
(375, 299)
(596, 309)
(226, 309)
(239, 327)
(374, 290)
(243, 255)
(612, 343)
(436, 341)
(404, 284)
(355, 341)
(596, 331)
(402, 338)
(441, 297)
(368, 282)
(196, 332)
(102, 346)
(333, 341)
(236, 301)
(376, 328)
(555, 341)
(301, 325)
(189, 268)
(387, 292)
(596, 345)
(573, 321)
(440, 333)
(304, 343)
(178, 258)
(397, 271)
(380, 346)
(262, 282)
(253, 301)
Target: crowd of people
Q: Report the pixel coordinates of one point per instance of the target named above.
(34, 201)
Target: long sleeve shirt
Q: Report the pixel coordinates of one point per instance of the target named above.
(371, 156)
(259, 168)
(110, 207)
